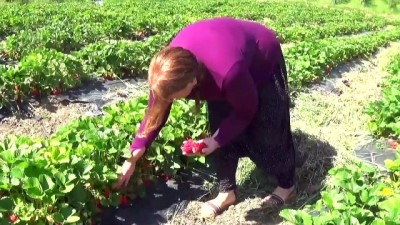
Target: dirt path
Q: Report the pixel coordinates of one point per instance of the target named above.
(328, 123)
(51, 113)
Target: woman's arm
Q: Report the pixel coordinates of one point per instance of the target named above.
(241, 92)
(145, 142)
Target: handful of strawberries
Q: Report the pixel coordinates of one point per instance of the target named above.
(192, 147)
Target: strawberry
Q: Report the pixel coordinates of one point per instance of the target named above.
(165, 177)
(107, 192)
(198, 147)
(56, 91)
(188, 146)
(393, 144)
(13, 218)
(124, 200)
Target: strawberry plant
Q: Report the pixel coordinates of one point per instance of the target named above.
(308, 61)
(385, 113)
(357, 194)
(68, 177)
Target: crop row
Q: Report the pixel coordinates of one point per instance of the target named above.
(69, 27)
(310, 61)
(48, 71)
(14, 17)
(385, 113)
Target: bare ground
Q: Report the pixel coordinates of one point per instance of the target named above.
(51, 113)
(328, 123)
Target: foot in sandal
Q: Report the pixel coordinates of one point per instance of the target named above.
(278, 199)
(218, 205)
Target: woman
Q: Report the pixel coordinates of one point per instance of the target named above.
(238, 67)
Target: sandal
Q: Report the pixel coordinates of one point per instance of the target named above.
(274, 203)
(218, 210)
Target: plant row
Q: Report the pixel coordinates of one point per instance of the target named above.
(48, 71)
(303, 32)
(73, 26)
(310, 61)
(356, 194)
(68, 178)
(385, 113)
(14, 17)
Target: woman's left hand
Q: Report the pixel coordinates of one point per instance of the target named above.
(212, 145)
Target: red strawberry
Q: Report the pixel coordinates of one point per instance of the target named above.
(13, 218)
(165, 177)
(56, 91)
(198, 147)
(124, 200)
(393, 144)
(188, 146)
(98, 202)
(107, 192)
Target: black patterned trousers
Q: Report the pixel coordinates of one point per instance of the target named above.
(267, 141)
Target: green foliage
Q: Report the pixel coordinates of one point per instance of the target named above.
(357, 194)
(385, 113)
(59, 180)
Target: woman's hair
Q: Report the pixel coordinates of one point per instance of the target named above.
(170, 70)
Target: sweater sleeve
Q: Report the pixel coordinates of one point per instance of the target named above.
(145, 142)
(241, 93)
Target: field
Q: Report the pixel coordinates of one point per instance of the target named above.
(58, 164)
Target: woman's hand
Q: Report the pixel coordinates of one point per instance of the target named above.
(212, 145)
(128, 168)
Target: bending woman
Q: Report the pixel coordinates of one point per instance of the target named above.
(238, 67)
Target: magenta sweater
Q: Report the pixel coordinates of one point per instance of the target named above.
(240, 56)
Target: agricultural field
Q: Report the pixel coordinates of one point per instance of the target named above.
(344, 77)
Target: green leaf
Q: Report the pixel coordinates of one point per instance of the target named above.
(33, 188)
(202, 159)
(6, 204)
(73, 219)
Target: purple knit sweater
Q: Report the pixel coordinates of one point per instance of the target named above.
(240, 57)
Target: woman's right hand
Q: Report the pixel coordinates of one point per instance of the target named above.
(128, 168)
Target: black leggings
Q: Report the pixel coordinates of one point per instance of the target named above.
(267, 141)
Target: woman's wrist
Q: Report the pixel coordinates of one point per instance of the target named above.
(136, 154)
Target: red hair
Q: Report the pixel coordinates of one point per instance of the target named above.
(170, 70)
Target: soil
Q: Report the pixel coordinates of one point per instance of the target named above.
(51, 113)
(48, 117)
